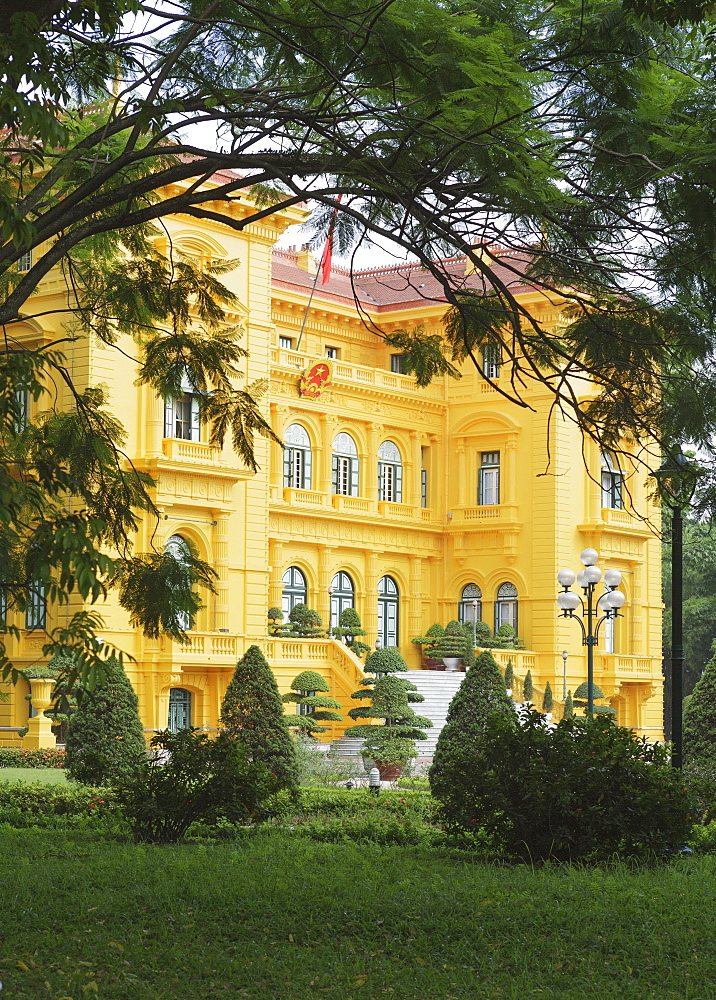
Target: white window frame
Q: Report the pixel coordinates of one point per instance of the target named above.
(345, 466)
(24, 262)
(285, 343)
(36, 610)
(488, 481)
(491, 361)
(612, 483)
(331, 352)
(390, 473)
(297, 458)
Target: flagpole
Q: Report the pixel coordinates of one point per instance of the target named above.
(308, 306)
(324, 268)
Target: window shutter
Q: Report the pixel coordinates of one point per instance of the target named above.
(481, 487)
(336, 484)
(398, 483)
(618, 499)
(354, 477)
(169, 417)
(424, 487)
(195, 419)
(307, 469)
(287, 467)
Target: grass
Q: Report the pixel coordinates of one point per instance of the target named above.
(46, 775)
(276, 916)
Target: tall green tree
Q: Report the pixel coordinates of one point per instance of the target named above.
(105, 738)
(571, 141)
(699, 723)
(252, 713)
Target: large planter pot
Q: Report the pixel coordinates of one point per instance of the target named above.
(452, 662)
(389, 772)
(430, 664)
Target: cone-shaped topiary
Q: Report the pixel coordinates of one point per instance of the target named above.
(568, 712)
(252, 713)
(480, 696)
(348, 628)
(547, 699)
(699, 726)
(304, 691)
(528, 687)
(105, 741)
(509, 675)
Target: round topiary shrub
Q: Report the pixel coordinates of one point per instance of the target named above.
(584, 789)
(105, 738)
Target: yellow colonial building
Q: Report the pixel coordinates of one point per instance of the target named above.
(413, 505)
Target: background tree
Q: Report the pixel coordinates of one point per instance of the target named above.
(568, 712)
(481, 695)
(105, 739)
(348, 629)
(528, 687)
(252, 714)
(307, 691)
(547, 698)
(699, 725)
(509, 675)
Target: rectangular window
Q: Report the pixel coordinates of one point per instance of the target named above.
(396, 363)
(612, 490)
(35, 612)
(332, 352)
(182, 417)
(286, 343)
(390, 482)
(24, 263)
(491, 360)
(488, 490)
(297, 468)
(345, 476)
(423, 487)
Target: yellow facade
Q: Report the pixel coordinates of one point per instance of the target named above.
(255, 528)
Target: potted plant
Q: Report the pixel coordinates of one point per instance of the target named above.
(430, 642)
(451, 648)
(390, 754)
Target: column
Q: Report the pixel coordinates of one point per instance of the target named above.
(326, 458)
(413, 495)
(416, 598)
(221, 564)
(325, 575)
(461, 473)
(370, 617)
(275, 555)
(510, 475)
(276, 454)
(370, 464)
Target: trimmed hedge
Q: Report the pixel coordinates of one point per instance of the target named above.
(17, 757)
(54, 800)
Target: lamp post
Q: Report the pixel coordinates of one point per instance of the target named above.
(565, 655)
(609, 604)
(677, 479)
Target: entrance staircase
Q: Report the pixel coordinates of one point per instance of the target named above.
(438, 688)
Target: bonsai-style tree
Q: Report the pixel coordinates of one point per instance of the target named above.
(312, 706)
(481, 695)
(105, 738)
(699, 724)
(387, 660)
(275, 622)
(453, 642)
(483, 635)
(509, 675)
(431, 640)
(468, 657)
(528, 687)
(349, 626)
(568, 712)
(305, 623)
(252, 713)
(547, 699)
(400, 723)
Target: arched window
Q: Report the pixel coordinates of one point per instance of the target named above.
(345, 465)
(506, 606)
(388, 614)
(390, 473)
(294, 589)
(182, 416)
(178, 548)
(612, 483)
(179, 709)
(470, 607)
(342, 596)
(297, 458)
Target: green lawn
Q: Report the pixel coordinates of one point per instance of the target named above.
(278, 916)
(46, 775)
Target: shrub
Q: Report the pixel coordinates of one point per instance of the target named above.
(453, 642)
(389, 703)
(275, 619)
(430, 640)
(584, 789)
(54, 800)
(700, 780)
(547, 699)
(17, 757)
(304, 691)
(568, 707)
(468, 657)
(252, 714)
(105, 740)
(528, 687)
(305, 623)
(349, 626)
(699, 724)
(581, 694)
(481, 695)
(483, 634)
(192, 777)
(510, 675)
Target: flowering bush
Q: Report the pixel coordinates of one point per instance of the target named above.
(585, 789)
(17, 757)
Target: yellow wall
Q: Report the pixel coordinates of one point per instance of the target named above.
(252, 529)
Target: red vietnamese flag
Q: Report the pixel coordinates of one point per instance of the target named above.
(326, 258)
